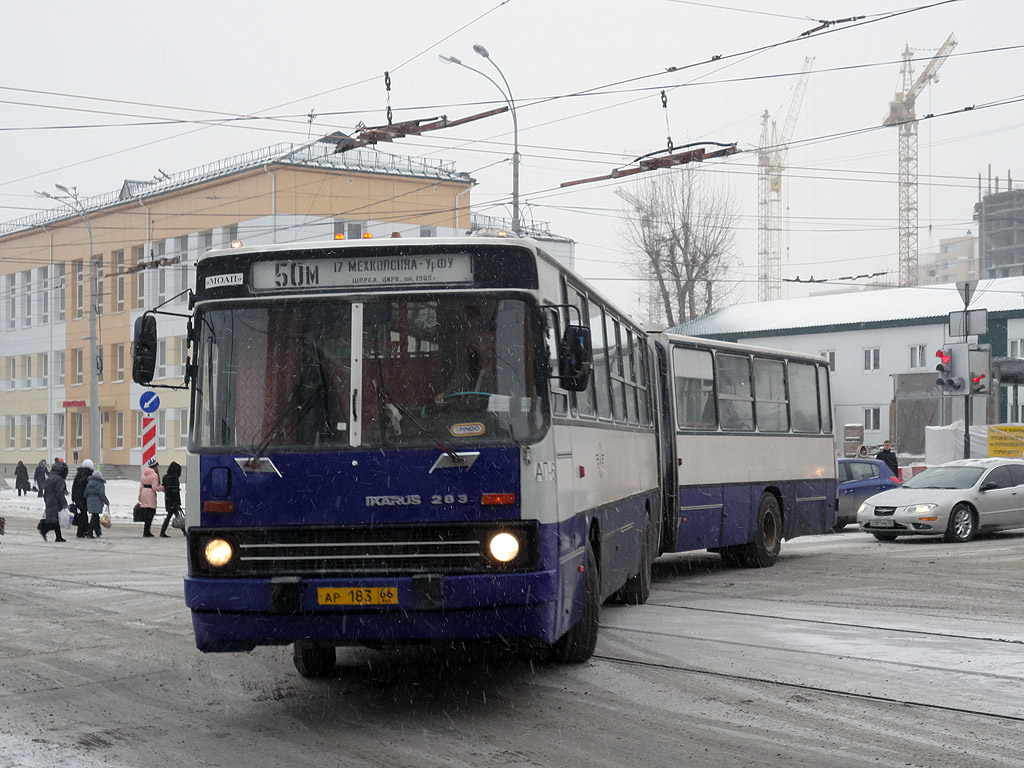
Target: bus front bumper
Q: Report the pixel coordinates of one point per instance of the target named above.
(240, 614)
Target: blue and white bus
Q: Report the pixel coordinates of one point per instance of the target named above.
(400, 440)
(749, 454)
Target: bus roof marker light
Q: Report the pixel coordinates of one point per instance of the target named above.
(236, 243)
(367, 236)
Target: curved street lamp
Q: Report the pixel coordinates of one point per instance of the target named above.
(506, 94)
(71, 199)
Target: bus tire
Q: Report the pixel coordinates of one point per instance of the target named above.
(763, 551)
(577, 645)
(314, 660)
(637, 588)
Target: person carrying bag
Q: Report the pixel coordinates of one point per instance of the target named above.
(149, 485)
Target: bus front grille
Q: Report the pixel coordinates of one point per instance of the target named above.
(362, 551)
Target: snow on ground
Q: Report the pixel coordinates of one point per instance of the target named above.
(23, 752)
(123, 495)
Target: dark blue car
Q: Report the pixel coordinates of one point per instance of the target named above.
(858, 479)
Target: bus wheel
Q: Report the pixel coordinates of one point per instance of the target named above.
(579, 642)
(314, 660)
(637, 588)
(763, 551)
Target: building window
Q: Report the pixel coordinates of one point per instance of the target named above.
(138, 429)
(161, 429)
(99, 364)
(918, 357)
(44, 297)
(43, 436)
(872, 419)
(119, 362)
(60, 296)
(119, 429)
(79, 429)
(79, 365)
(79, 288)
(206, 240)
(27, 365)
(161, 360)
(27, 304)
(58, 368)
(11, 436)
(183, 427)
(119, 281)
(353, 230)
(59, 424)
(830, 355)
(872, 359)
(12, 304)
(230, 234)
(97, 286)
(428, 231)
(28, 433)
(44, 369)
(1016, 347)
(139, 256)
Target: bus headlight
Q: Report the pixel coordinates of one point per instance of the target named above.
(504, 547)
(218, 552)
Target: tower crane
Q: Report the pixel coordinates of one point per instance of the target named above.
(902, 114)
(771, 161)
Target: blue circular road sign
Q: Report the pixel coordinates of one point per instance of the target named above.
(149, 402)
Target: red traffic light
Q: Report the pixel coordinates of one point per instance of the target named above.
(944, 357)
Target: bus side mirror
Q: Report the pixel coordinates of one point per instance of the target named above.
(575, 358)
(144, 348)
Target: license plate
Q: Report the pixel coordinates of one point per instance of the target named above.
(357, 596)
(883, 523)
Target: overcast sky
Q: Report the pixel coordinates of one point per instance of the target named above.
(586, 77)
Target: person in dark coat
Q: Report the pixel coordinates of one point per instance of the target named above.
(888, 455)
(55, 497)
(172, 495)
(95, 500)
(78, 498)
(40, 476)
(21, 482)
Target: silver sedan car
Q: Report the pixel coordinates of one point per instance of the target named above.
(954, 500)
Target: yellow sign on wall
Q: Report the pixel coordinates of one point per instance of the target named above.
(1006, 441)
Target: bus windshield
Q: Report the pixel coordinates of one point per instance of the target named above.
(304, 375)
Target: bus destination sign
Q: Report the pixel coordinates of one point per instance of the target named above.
(364, 272)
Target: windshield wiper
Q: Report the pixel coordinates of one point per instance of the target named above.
(390, 399)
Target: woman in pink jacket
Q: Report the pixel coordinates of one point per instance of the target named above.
(149, 484)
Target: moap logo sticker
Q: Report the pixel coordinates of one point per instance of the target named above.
(472, 429)
(216, 281)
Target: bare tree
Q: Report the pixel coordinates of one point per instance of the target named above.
(680, 227)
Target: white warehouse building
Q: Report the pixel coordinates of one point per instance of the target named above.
(881, 345)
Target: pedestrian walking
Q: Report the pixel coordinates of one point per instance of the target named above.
(172, 495)
(40, 475)
(55, 498)
(95, 500)
(888, 455)
(21, 483)
(149, 484)
(80, 510)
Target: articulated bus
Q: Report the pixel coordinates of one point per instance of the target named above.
(459, 439)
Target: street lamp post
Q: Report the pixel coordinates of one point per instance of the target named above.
(71, 199)
(506, 94)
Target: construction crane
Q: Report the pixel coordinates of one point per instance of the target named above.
(771, 161)
(903, 115)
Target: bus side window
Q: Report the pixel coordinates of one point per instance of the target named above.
(735, 403)
(585, 400)
(693, 375)
(559, 398)
(803, 398)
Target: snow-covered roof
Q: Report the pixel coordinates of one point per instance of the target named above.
(891, 306)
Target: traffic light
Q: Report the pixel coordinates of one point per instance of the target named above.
(947, 380)
(980, 360)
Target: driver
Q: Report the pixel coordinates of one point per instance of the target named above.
(477, 373)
